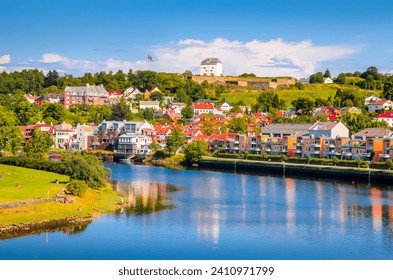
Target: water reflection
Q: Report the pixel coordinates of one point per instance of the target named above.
(140, 197)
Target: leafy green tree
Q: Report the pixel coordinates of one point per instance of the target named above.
(53, 112)
(306, 105)
(209, 126)
(10, 134)
(388, 89)
(341, 79)
(147, 114)
(335, 160)
(51, 79)
(121, 110)
(187, 112)
(39, 145)
(195, 150)
(236, 109)
(88, 168)
(327, 74)
(154, 145)
(77, 188)
(358, 122)
(317, 78)
(175, 140)
(144, 79)
(389, 163)
(157, 95)
(239, 125)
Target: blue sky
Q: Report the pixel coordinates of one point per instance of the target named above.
(268, 38)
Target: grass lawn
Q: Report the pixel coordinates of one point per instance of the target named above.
(312, 91)
(37, 184)
(19, 183)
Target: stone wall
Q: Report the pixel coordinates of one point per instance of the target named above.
(25, 202)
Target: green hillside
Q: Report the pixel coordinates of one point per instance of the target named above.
(312, 91)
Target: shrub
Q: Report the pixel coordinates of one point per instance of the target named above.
(77, 188)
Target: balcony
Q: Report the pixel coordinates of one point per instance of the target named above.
(366, 155)
(316, 145)
(298, 151)
(331, 146)
(315, 152)
(384, 156)
(298, 144)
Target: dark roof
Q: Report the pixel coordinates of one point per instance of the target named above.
(210, 61)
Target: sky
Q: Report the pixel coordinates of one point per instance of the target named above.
(267, 38)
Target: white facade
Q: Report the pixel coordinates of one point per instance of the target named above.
(379, 105)
(327, 81)
(82, 132)
(133, 143)
(211, 67)
(149, 104)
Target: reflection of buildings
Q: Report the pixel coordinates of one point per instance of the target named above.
(376, 208)
(141, 194)
(290, 196)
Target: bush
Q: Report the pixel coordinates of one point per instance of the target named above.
(77, 188)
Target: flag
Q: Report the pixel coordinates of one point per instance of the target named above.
(149, 57)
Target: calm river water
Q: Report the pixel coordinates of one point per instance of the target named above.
(215, 215)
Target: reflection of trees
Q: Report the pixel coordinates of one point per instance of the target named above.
(78, 229)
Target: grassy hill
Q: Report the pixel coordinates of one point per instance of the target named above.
(312, 91)
(19, 183)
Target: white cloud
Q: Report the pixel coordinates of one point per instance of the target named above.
(5, 59)
(52, 58)
(271, 58)
(264, 58)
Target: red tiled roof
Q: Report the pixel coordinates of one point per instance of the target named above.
(201, 106)
(378, 102)
(385, 115)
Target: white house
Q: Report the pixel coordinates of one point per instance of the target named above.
(64, 135)
(82, 133)
(327, 80)
(149, 104)
(370, 99)
(211, 67)
(379, 105)
(226, 107)
(385, 116)
(133, 143)
(203, 108)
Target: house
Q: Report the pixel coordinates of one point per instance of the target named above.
(133, 143)
(179, 105)
(131, 93)
(370, 99)
(27, 130)
(87, 95)
(114, 96)
(381, 104)
(329, 112)
(327, 80)
(226, 107)
(372, 132)
(83, 132)
(31, 98)
(385, 116)
(65, 134)
(201, 108)
(350, 110)
(149, 104)
(211, 67)
(329, 129)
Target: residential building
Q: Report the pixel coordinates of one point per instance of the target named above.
(133, 143)
(83, 132)
(378, 105)
(149, 104)
(202, 108)
(385, 116)
(211, 67)
(87, 95)
(327, 80)
(370, 99)
(65, 134)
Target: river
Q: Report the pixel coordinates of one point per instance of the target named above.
(190, 214)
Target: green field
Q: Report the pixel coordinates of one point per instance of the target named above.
(19, 183)
(312, 91)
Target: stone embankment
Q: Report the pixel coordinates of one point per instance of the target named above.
(11, 231)
(14, 204)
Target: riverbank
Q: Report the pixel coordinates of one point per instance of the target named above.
(28, 201)
(369, 175)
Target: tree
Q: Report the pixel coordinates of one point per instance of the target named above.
(144, 79)
(53, 112)
(39, 145)
(327, 74)
(175, 140)
(209, 126)
(187, 112)
(335, 160)
(306, 105)
(195, 150)
(236, 108)
(239, 125)
(51, 79)
(388, 89)
(88, 168)
(10, 134)
(120, 110)
(341, 78)
(147, 114)
(317, 78)
(157, 96)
